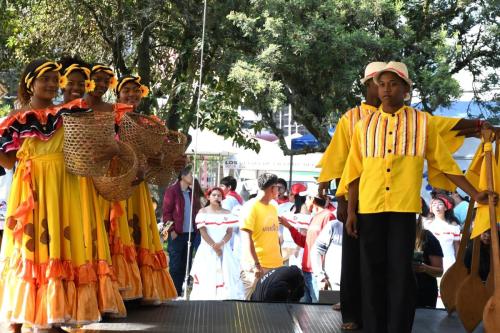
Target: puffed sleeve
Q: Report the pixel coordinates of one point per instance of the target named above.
(200, 220)
(354, 164)
(334, 158)
(439, 160)
(444, 126)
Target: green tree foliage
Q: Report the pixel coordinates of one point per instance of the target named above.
(311, 53)
(263, 54)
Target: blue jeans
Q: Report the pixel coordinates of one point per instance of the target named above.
(311, 294)
(177, 251)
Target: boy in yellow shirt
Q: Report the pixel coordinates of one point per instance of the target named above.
(333, 162)
(383, 174)
(259, 235)
(452, 130)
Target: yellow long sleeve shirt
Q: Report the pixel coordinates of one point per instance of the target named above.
(335, 156)
(387, 154)
(333, 160)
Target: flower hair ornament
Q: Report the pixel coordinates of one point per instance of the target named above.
(48, 66)
(135, 79)
(89, 84)
(108, 70)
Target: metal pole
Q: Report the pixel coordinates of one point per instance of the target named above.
(291, 169)
(186, 275)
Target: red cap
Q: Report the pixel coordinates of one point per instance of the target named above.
(297, 188)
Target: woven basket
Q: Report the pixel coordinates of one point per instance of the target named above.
(144, 133)
(85, 136)
(173, 147)
(116, 185)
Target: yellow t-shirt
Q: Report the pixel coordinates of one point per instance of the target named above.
(387, 154)
(262, 221)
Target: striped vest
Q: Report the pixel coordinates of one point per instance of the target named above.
(410, 134)
(356, 114)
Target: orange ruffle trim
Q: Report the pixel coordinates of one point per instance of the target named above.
(46, 294)
(120, 110)
(57, 293)
(108, 295)
(158, 286)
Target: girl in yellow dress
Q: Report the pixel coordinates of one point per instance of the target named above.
(46, 278)
(157, 284)
(122, 250)
(75, 75)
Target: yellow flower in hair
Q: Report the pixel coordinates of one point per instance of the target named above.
(63, 82)
(113, 82)
(89, 85)
(144, 90)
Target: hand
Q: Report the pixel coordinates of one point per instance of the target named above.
(173, 235)
(322, 280)
(284, 222)
(341, 210)
(164, 234)
(258, 271)
(218, 248)
(325, 285)
(352, 225)
(419, 268)
(482, 197)
(323, 188)
(106, 152)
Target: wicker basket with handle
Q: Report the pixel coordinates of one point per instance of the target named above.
(173, 147)
(144, 133)
(86, 135)
(116, 185)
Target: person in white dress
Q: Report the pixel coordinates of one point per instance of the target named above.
(216, 270)
(446, 230)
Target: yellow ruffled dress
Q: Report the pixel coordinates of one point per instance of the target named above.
(158, 286)
(46, 276)
(97, 247)
(123, 254)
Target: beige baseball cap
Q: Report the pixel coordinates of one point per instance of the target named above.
(372, 69)
(397, 68)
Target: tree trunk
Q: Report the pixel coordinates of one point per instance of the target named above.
(143, 56)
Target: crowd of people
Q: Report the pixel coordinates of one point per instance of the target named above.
(228, 236)
(70, 257)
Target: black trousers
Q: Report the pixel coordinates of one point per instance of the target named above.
(388, 284)
(350, 284)
(177, 251)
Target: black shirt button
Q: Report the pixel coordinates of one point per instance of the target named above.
(390, 133)
(389, 151)
(388, 170)
(387, 189)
